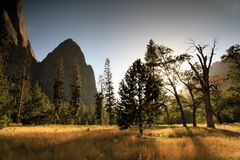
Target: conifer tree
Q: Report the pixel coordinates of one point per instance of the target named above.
(108, 92)
(136, 91)
(99, 108)
(58, 89)
(76, 93)
(151, 57)
(5, 87)
(38, 111)
(23, 86)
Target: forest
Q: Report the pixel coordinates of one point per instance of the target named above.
(149, 93)
(143, 123)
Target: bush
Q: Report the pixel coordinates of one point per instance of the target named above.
(4, 121)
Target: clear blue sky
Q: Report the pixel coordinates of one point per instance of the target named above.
(120, 29)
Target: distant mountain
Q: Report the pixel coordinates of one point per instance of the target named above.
(219, 68)
(14, 43)
(71, 54)
(219, 71)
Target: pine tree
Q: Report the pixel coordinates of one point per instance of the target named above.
(136, 91)
(151, 57)
(99, 108)
(154, 82)
(5, 88)
(76, 93)
(39, 110)
(23, 86)
(108, 92)
(58, 89)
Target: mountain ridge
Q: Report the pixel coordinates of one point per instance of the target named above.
(14, 44)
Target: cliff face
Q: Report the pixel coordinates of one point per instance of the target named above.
(12, 26)
(14, 43)
(71, 54)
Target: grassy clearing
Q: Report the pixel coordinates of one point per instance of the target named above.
(108, 143)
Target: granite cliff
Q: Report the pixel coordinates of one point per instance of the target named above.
(71, 54)
(14, 44)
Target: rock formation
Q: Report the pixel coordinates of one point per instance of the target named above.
(71, 54)
(12, 25)
(14, 41)
(14, 44)
(218, 73)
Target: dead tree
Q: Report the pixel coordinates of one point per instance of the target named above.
(203, 77)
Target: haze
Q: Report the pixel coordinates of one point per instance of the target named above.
(120, 30)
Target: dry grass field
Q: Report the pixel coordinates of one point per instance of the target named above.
(108, 143)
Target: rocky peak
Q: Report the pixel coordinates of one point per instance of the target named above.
(12, 27)
(69, 50)
(71, 54)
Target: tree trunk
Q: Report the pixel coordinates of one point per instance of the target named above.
(194, 107)
(21, 99)
(218, 116)
(208, 108)
(184, 122)
(56, 116)
(194, 116)
(168, 117)
(110, 116)
(140, 126)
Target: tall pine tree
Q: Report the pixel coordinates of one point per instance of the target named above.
(23, 86)
(76, 93)
(151, 57)
(136, 91)
(58, 89)
(39, 110)
(5, 88)
(108, 92)
(99, 108)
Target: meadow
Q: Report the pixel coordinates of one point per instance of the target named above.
(59, 142)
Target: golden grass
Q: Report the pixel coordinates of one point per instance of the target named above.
(107, 142)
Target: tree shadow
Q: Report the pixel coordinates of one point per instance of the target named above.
(203, 151)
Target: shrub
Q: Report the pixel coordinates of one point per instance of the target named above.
(4, 121)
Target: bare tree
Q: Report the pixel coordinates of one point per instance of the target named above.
(203, 76)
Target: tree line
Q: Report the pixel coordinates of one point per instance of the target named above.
(149, 93)
(24, 102)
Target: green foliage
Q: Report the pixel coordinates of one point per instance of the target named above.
(233, 55)
(5, 89)
(4, 121)
(23, 85)
(87, 115)
(169, 66)
(39, 111)
(109, 98)
(230, 99)
(76, 93)
(151, 56)
(139, 94)
(58, 89)
(99, 108)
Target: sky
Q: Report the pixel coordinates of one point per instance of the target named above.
(120, 29)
